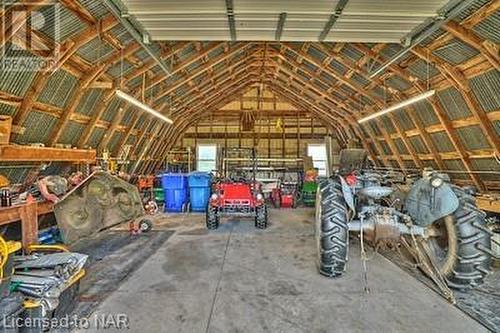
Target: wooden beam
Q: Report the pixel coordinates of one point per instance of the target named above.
(36, 154)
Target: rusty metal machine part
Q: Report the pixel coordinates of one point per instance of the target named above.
(99, 202)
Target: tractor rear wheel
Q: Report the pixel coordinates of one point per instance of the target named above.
(212, 218)
(261, 217)
(461, 244)
(332, 231)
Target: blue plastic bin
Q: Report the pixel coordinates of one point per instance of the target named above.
(200, 187)
(176, 191)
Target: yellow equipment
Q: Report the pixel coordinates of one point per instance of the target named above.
(6, 248)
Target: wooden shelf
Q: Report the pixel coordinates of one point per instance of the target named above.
(12, 153)
(28, 215)
(489, 203)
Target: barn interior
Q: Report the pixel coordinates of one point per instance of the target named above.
(124, 122)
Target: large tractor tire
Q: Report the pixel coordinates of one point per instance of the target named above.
(332, 231)
(261, 217)
(213, 218)
(462, 247)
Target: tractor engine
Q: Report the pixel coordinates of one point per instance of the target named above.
(381, 223)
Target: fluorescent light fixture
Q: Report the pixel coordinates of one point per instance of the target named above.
(142, 106)
(400, 105)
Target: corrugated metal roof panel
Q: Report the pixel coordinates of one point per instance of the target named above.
(117, 70)
(486, 164)
(472, 137)
(418, 144)
(423, 69)
(89, 101)
(388, 124)
(72, 133)
(68, 23)
(456, 52)
(496, 125)
(486, 87)
(400, 146)
(96, 137)
(127, 117)
(7, 110)
(360, 80)
(97, 8)
(455, 165)
(398, 83)
(385, 147)
(488, 28)
(425, 113)
(58, 89)
(111, 110)
(351, 53)
(94, 50)
(442, 142)
(338, 67)
(38, 128)
(404, 120)
(477, 4)
(16, 83)
(453, 103)
(114, 141)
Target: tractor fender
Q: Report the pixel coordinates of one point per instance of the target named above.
(426, 204)
(347, 193)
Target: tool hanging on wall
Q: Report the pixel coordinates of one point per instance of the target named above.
(247, 121)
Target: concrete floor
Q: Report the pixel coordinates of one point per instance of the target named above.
(239, 279)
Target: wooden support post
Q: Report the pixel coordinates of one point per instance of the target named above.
(29, 224)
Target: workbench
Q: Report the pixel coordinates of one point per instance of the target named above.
(28, 215)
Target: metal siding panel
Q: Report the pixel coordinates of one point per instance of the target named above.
(94, 50)
(16, 82)
(455, 165)
(453, 103)
(418, 145)
(456, 52)
(489, 28)
(38, 128)
(71, 133)
(442, 142)
(472, 137)
(486, 88)
(58, 89)
(69, 24)
(423, 69)
(96, 137)
(89, 102)
(486, 164)
(426, 113)
(400, 146)
(7, 110)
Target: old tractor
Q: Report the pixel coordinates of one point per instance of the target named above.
(437, 222)
(236, 198)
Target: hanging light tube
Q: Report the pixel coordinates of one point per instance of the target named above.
(400, 105)
(142, 106)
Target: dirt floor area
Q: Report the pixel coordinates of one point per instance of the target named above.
(239, 279)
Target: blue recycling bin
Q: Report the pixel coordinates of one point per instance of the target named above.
(200, 187)
(175, 187)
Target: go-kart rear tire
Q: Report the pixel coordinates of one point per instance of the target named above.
(332, 231)
(212, 218)
(261, 217)
(463, 254)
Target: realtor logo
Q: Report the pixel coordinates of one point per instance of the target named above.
(30, 35)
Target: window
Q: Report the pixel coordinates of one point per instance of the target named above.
(206, 157)
(318, 154)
